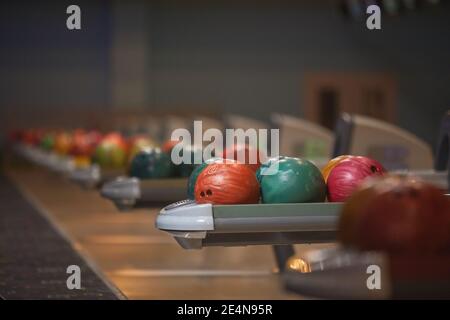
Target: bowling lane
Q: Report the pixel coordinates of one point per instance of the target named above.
(143, 262)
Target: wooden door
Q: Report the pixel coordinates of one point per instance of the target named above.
(329, 94)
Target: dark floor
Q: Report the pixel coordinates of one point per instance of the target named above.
(34, 257)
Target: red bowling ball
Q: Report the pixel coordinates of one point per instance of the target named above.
(346, 176)
(84, 142)
(410, 218)
(168, 145)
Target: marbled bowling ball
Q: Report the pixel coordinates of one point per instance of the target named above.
(227, 183)
(292, 180)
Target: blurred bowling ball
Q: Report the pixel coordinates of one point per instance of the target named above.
(295, 180)
(227, 183)
(63, 143)
(138, 143)
(112, 151)
(48, 141)
(189, 153)
(358, 202)
(15, 135)
(244, 153)
(151, 163)
(331, 164)
(347, 175)
(412, 217)
(32, 137)
(195, 173)
(84, 143)
(168, 145)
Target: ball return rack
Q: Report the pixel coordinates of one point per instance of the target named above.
(128, 192)
(94, 176)
(90, 176)
(52, 161)
(195, 226)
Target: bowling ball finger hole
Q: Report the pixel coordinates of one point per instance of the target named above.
(202, 194)
(373, 169)
(208, 192)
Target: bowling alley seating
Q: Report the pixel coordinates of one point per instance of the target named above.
(395, 148)
(304, 139)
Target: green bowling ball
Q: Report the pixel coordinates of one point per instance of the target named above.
(48, 142)
(265, 166)
(151, 163)
(295, 181)
(195, 173)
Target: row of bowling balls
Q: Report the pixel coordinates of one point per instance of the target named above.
(111, 150)
(279, 180)
(157, 163)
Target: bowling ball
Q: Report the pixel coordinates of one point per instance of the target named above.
(84, 143)
(151, 163)
(359, 201)
(195, 173)
(331, 164)
(189, 152)
(168, 146)
(15, 135)
(347, 175)
(32, 137)
(111, 152)
(78, 142)
(412, 217)
(242, 153)
(47, 142)
(265, 166)
(296, 180)
(138, 143)
(227, 183)
(63, 143)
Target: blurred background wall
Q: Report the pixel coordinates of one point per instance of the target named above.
(230, 56)
(49, 71)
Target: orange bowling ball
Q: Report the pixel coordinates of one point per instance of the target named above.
(63, 143)
(227, 183)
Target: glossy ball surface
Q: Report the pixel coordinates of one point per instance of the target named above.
(227, 183)
(295, 181)
(151, 163)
